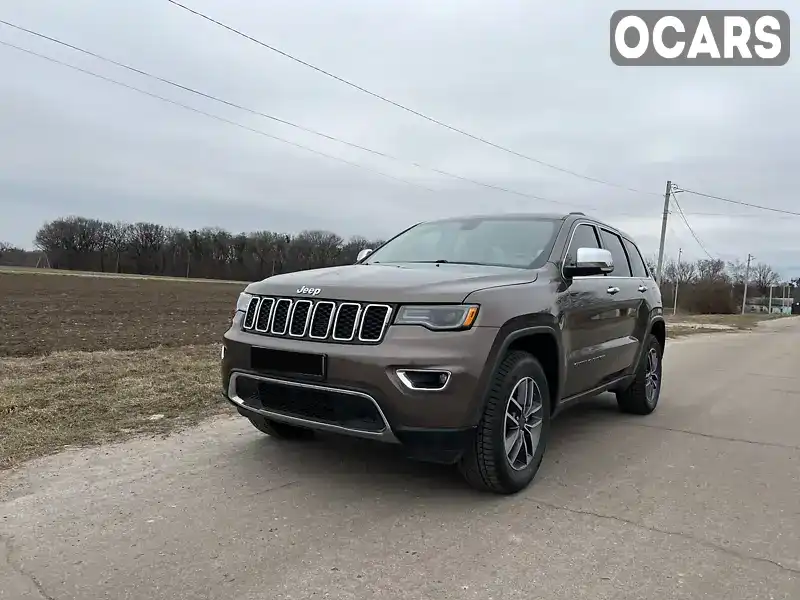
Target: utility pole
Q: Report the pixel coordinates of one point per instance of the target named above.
(746, 281)
(677, 277)
(663, 231)
(770, 299)
(784, 293)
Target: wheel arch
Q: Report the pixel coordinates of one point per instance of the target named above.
(539, 336)
(657, 326)
(659, 329)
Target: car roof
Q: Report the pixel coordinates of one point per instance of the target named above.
(607, 225)
(499, 215)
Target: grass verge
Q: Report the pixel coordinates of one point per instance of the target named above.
(678, 331)
(85, 398)
(742, 322)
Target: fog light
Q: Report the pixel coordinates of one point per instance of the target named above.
(432, 380)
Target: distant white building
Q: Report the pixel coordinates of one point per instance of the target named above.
(762, 305)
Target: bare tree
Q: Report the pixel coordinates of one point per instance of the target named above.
(763, 277)
(711, 270)
(681, 272)
(149, 248)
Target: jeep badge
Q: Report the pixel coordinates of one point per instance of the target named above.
(309, 291)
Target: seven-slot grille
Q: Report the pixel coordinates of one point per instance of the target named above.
(320, 320)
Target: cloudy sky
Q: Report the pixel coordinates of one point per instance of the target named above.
(532, 76)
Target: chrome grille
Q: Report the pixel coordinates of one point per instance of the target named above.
(264, 313)
(318, 320)
(322, 319)
(250, 315)
(346, 321)
(280, 318)
(301, 313)
(373, 322)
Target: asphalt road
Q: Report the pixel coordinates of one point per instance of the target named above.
(699, 500)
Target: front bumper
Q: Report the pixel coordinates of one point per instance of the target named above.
(384, 433)
(369, 373)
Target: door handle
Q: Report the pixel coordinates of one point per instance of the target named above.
(642, 288)
(612, 290)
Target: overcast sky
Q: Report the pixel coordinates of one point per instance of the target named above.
(532, 76)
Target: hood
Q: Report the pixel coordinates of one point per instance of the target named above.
(391, 283)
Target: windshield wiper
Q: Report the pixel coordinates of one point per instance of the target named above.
(428, 262)
(443, 261)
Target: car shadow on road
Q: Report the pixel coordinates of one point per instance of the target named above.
(378, 468)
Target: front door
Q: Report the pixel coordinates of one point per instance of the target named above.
(592, 319)
(588, 320)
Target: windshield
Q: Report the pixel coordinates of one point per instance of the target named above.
(496, 241)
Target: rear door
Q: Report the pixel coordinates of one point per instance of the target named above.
(622, 322)
(651, 297)
(589, 310)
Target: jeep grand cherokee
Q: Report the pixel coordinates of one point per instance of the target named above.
(459, 339)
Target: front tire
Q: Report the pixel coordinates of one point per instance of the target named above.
(282, 431)
(641, 396)
(512, 435)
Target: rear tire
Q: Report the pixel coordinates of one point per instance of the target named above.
(282, 431)
(512, 435)
(641, 396)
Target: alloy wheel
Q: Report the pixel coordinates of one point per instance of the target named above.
(522, 423)
(651, 381)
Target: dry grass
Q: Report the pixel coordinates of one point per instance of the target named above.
(741, 322)
(82, 398)
(678, 331)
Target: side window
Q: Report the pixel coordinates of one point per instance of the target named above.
(637, 263)
(583, 237)
(613, 244)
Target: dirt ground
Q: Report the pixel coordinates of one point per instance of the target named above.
(42, 314)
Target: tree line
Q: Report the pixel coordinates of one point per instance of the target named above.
(78, 243)
(717, 286)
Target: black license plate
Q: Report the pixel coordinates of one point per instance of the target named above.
(284, 362)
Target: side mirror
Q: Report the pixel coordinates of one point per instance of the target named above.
(590, 261)
(363, 254)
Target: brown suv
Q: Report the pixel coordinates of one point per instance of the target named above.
(459, 338)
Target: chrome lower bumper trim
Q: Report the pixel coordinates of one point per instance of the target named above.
(402, 375)
(384, 435)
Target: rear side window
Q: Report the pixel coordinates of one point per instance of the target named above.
(637, 263)
(613, 244)
(583, 237)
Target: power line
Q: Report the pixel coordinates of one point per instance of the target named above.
(689, 227)
(289, 123)
(770, 208)
(733, 215)
(406, 108)
(213, 116)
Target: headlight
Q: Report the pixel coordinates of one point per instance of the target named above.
(438, 317)
(244, 301)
